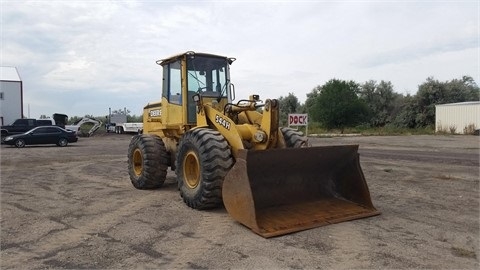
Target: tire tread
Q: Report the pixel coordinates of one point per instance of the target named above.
(155, 161)
(216, 159)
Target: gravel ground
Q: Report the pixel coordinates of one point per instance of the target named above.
(75, 207)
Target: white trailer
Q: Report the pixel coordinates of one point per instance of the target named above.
(129, 128)
(118, 124)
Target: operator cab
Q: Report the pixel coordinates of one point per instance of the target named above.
(206, 74)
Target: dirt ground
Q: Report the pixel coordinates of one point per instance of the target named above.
(75, 207)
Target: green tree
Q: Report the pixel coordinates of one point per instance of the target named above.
(433, 92)
(310, 103)
(406, 117)
(288, 104)
(134, 118)
(382, 101)
(337, 105)
(74, 119)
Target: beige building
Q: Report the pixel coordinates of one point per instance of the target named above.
(459, 118)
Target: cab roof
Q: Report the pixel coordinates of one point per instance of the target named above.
(177, 56)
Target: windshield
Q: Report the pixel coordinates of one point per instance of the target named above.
(207, 75)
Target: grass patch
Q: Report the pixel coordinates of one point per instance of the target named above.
(315, 128)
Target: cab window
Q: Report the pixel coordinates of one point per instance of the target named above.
(172, 82)
(208, 76)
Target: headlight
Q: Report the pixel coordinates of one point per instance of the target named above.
(9, 138)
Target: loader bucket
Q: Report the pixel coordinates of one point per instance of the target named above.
(280, 191)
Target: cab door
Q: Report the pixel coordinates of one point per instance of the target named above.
(172, 110)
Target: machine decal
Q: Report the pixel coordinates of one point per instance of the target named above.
(155, 113)
(222, 121)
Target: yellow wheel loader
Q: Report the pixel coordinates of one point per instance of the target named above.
(235, 153)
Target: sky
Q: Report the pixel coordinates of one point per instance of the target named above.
(84, 57)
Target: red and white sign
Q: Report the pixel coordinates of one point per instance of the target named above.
(298, 119)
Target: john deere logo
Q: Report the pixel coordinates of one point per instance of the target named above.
(222, 121)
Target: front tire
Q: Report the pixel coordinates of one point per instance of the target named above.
(19, 143)
(147, 161)
(203, 159)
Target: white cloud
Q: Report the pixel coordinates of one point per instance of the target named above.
(81, 57)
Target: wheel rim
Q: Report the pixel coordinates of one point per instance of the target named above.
(63, 142)
(191, 170)
(137, 162)
(20, 143)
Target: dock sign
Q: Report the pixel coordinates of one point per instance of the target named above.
(297, 119)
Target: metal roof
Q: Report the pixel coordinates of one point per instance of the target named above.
(460, 103)
(9, 74)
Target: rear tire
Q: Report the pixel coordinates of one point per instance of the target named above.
(294, 138)
(19, 143)
(147, 161)
(203, 160)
